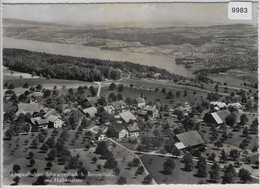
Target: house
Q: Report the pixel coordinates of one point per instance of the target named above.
(133, 130)
(101, 135)
(55, 121)
(186, 108)
(120, 106)
(216, 118)
(34, 120)
(91, 112)
(92, 101)
(109, 109)
(152, 111)
(237, 104)
(127, 116)
(123, 134)
(49, 112)
(142, 113)
(140, 102)
(188, 139)
(42, 123)
(31, 108)
(219, 105)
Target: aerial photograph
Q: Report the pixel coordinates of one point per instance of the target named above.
(124, 93)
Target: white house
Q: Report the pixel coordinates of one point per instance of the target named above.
(101, 136)
(123, 134)
(140, 102)
(55, 121)
(152, 111)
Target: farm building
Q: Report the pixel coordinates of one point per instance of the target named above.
(55, 121)
(140, 102)
(109, 109)
(216, 118)
(90, 112)
(127, 116)
(42, 123)
(31, 108)
(218, 105)
(101, 135)
(188, 139)
(120, 106)
(92, 101)
(237, 104)
(152, 111)
(49, 113)
(133, 130)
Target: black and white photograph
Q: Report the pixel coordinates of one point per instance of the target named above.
(148, 93)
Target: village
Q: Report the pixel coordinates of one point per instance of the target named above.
(96, 128)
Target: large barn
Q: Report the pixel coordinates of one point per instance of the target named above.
(216, 118)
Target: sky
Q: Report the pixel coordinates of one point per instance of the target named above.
(141, 14)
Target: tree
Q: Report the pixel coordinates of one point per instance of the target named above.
(52, 154)
(231, 119)
(170, 95)
(120, 87)
(49, 164)
(16, 168)
(110, 163)
(121, 181)
(168, 166)
(245, 132)
(218, 144)
(223, 156)
(214, 173)
(39, 87)
(112, 86)
(33, 171)
(16, 180)
(94, 159)
(44, 147)
(202, 167)
(147, 179)
(188, 162)
(9, 133)
(26, 128)
(32, 162)
(82, 172)
(31, 154)
(244, 175)
(234, 154)
(116, 171)
(243, 119)
(140, 170)
(11, 86)
(25, 85)
(229, 174)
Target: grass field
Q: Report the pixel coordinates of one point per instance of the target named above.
(178, 176)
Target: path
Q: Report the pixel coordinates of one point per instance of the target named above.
(133, 153)
(99, 88)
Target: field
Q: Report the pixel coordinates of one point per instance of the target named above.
(178, 176)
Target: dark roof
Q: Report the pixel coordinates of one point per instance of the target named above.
(119, 105)
(42, 121)
(140, 100)
(191, 138)
(50, 112)
(93, 101)
(127, 116)
(133, 128)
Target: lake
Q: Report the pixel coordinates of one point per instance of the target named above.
(159, 61)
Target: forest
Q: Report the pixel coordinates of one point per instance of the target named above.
(76, 68)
